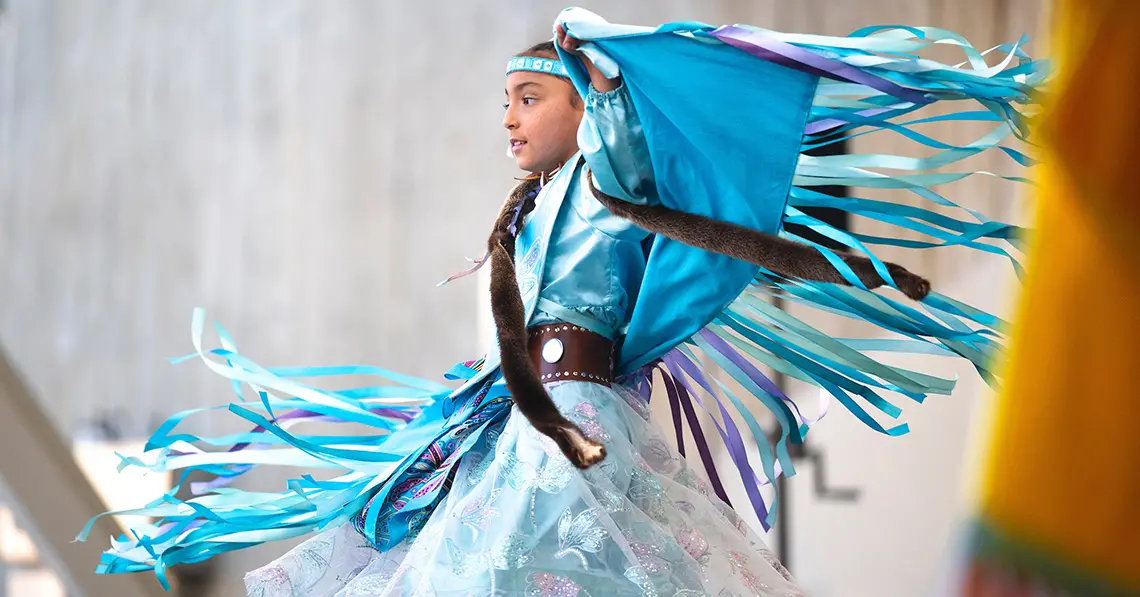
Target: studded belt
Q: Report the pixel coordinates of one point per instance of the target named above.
(563, 351)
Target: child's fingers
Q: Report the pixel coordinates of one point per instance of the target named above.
(565, 41)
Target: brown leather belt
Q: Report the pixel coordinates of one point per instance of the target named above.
(563, 351)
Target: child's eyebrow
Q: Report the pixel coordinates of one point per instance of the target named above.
(524, 84)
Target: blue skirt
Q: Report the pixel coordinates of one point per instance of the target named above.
(518, 519)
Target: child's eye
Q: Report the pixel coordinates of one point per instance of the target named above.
(526, 101)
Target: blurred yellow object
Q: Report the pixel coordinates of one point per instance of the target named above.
(1062, 481)
(1093, 123)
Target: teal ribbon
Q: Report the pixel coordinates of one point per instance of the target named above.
(225, 519)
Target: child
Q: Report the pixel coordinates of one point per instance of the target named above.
(628, 243)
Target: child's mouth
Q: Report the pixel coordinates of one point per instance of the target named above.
(517, 145)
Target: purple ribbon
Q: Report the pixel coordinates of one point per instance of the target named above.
(755, 375)
(730, 433)
(677, 393)
(792, 56)
(200, 487)
(514, 227)
(641, 378)
(679, 399)
(675, 409)
(814, 128)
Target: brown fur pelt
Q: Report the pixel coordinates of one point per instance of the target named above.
(527, 390)
(781, 256)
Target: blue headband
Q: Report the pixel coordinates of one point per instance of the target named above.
(538, 65)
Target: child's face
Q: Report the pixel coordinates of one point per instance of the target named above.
(543, 113)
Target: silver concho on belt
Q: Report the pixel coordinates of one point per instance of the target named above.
(552, 350)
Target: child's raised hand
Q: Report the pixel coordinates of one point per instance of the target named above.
(597, 79)
(566, 42)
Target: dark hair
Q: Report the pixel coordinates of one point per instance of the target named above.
(546, 49)
(541, 50)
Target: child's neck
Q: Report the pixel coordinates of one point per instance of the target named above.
(549, 175)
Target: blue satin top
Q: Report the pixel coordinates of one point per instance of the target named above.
(595, 261)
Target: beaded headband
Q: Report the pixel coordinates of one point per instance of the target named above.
(538, 65)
